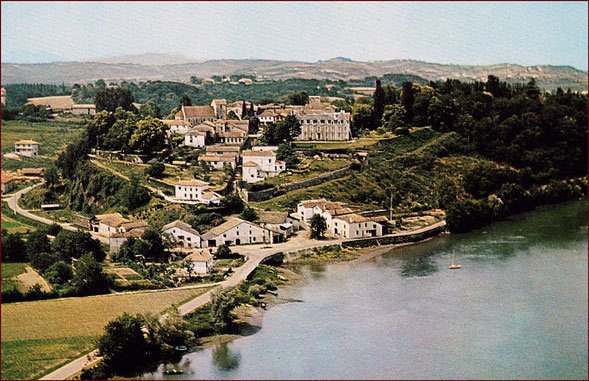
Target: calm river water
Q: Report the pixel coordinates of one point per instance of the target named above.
(517, 309)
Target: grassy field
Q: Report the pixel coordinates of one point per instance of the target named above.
(307, 169)
(360, 143)
(16, 223)
(52, 332)
(54, 137)
(31, 359)
(10, 270)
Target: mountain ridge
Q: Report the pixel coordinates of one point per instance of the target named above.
(176, 67)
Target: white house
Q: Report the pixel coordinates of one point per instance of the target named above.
(323, 124)
(306, 209)
(259, 165)
(353, 225)
(195, 139)
(183, 233)
(219, 149)
(217, 161)
(7, 183)
(196, 114)
(29, 148)
(201, 262)
(196, 190)
(177, 126)
(265, 148)
(84, 109)
(109, 224)
(233, 137)
(239, 232)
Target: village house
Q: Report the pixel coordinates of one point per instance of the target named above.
(32, 172)
(353, 225)
(201, 262)
(177, 126)
(218, 149)
(3, 96)
(116, 240)
(184, 234)
(220, 108)
(259, 165)
(218, 161)
(276, 221)
(28, 148)
(274, 116)
(233, 138)
(237, 108)
(84, 109)
(265, 148)
(197, 191)
(340, 219)
(239, 232)
(196, 114)
(306, 209)
(108, 224)
(7, 183)
(195, 139)
(320, 121)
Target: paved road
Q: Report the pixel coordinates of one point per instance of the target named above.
(254, 255)
(13, 204)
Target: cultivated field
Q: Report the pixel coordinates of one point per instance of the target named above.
(41, 335)
(307, 169)
(54, 137)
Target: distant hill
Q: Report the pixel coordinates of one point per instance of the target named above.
(148, 59)
(179, 68)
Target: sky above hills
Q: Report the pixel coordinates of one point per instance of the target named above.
(472, 33)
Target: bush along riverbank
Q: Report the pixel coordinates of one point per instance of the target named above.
(132, 344)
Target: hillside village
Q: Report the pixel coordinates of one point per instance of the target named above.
(114, 197)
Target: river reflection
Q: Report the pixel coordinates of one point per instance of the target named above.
(517, 309)
(224, 358)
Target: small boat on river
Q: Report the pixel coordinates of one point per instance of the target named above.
(452, 265)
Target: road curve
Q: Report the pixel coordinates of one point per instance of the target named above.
(13, 204)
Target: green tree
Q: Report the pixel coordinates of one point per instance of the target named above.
(253, 125)
(54, 229)
(149, 136)
(300, 98)
(134, 195)
(287, 130)
(150, 109)
(318, 226)
(37, 242)
(223, 251)
(378, 102)
(184, 101)
(155, 170)
(231, 115)
(89, 278)
(123, 344)
(13, 248)
(51, 176)
(59, 273)
(249, 214)
(42, 261)
(407, 99)
(155, 245)
(68, 245)
(361, 118)
(222, 303)
(112, 98)
(286, 153)
(393, 117)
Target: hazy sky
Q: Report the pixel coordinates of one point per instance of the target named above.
(525, 33)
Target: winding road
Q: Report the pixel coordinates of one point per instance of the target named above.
(254, 254)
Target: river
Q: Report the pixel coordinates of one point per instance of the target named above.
(517, 309)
